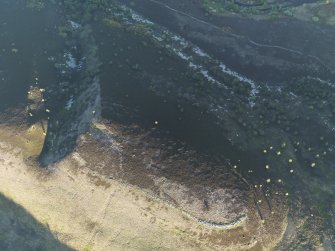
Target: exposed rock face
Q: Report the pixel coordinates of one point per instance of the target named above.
(80, 100)
(63, 132)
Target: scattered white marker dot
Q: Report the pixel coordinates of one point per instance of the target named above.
(291, 171)
(268, 180)
(313, 164)
(156, 122)
(267, 166)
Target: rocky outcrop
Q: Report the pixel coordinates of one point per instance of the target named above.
(76, 100)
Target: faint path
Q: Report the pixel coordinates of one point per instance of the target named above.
(297, 52)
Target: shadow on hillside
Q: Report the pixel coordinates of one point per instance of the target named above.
(19, 230)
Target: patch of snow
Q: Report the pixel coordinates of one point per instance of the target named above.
(140, 19)
(70, 61)
(254, 89)
(200, 52)
(69, 103)
(74, 25)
